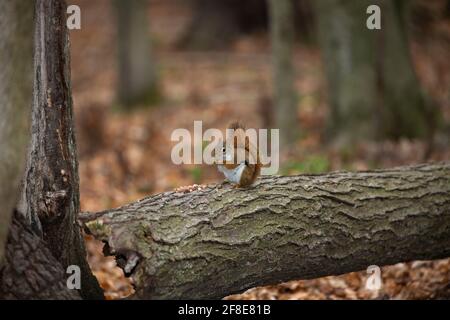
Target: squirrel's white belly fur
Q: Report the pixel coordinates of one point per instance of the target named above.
(233, 175)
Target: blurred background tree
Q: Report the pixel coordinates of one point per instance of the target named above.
(372, 86)
(282, 33)
(137, 78)
(215, 24)
(348, 50)
(16, 47)
(406, 110)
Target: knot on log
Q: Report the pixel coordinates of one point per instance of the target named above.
(51, 206)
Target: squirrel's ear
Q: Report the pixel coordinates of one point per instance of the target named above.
(236, 125)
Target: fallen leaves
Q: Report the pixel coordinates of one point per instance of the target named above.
(414, 280)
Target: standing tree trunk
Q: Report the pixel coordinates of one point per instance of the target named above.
(16, 47)
(282, 37)
(137, 75)
(372, 87)
(348, 50)
(405, 112)
(216, 23)
(30, 270)
(50, 197)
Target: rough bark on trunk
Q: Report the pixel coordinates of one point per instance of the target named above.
(220, 240)
(282, 37)
(16, 44)
(137, 78)
(30, 270)
(50, 199)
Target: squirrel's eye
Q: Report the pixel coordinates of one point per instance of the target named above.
(246, 162)
(224, 149)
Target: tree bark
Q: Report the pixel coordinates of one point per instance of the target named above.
(348, 52)
(50, 199)
(16, 44)
(30, 270)
(282, 37)
(221, 240)
(405, 111)
(372, 86)
(137, 75)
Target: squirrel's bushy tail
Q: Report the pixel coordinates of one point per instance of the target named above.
(239, 133)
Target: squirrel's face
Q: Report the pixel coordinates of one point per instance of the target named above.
(226, 156)
(231, 157)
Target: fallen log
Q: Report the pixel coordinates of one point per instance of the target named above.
(218, 241)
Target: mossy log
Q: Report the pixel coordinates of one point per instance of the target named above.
(219, 240)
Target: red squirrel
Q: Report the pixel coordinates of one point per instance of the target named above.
(241, 162)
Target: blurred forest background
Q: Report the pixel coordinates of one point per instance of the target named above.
(344, 97)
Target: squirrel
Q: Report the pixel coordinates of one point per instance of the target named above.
(237, 147)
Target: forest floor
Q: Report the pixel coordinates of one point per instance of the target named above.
(126, 156)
